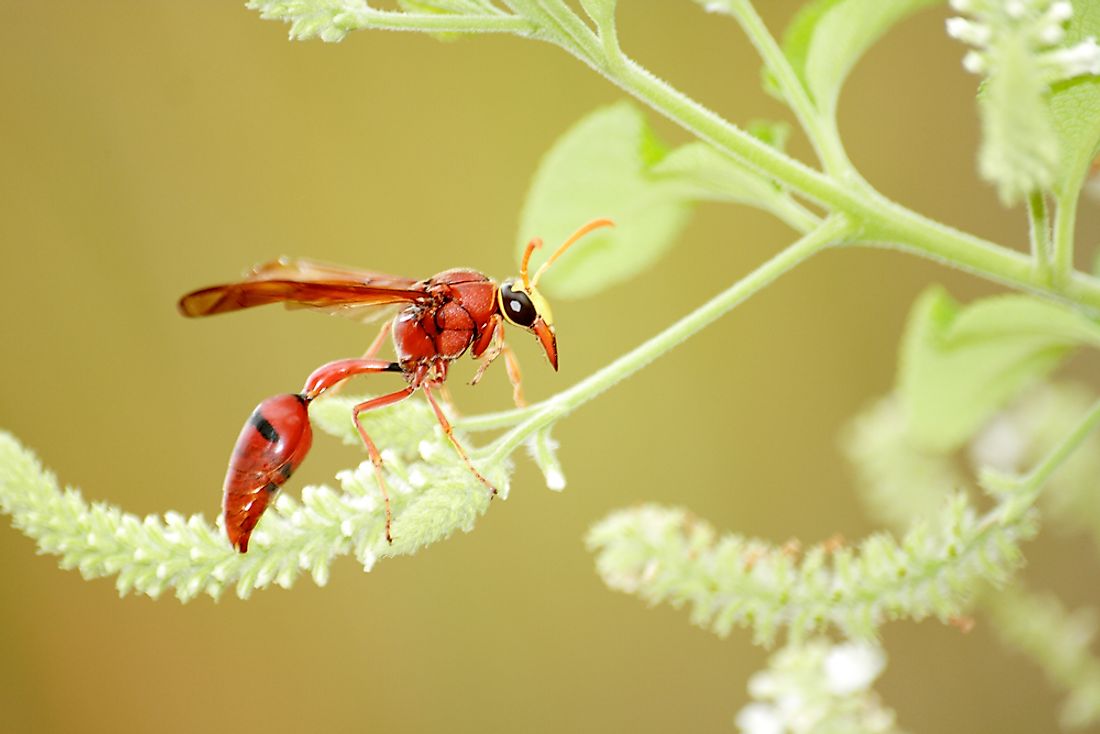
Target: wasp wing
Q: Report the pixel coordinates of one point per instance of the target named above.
(300, 269)
(305, 284)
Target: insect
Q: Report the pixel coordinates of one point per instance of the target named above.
(437, 321)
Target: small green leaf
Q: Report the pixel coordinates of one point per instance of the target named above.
(800, 33)
(602, 167)
(703, 173)
(775, 133)
(1075, 107)
(600, 11)
(827, 38)
(611, 165)
(960, 365)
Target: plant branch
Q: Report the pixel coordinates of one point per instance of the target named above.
(1065, 222)
(1039, 231)
(878, 217)
(1062, 451)
(392, 20)
(875, 219)
(822, 135)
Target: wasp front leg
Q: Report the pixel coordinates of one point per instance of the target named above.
(492, 345)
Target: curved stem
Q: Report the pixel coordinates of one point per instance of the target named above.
(1056, 456)
(1039, 233)
(877, 216)
(822, 136)
(831, 231)
(1065, 222)
(392, 20)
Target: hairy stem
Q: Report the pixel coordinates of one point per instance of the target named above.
(1065, 221)
(879, 218)
(1057, 455)
(822, 135)
(391, 20)
(875, 218)
(1039, 231)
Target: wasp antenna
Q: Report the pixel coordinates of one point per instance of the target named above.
(594, 224)
(533, 245)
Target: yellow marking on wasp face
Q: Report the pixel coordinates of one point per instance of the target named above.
(542, 306)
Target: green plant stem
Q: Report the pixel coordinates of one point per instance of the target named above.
(1035, 478)
(1065, 222)
(1039, 231)
(392, 20)
(830, 232)
(822, 135)
(876, 219)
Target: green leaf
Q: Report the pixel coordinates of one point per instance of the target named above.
(827, 38)
(775, 133)
(1075, 107)
(961, 364)
(611, 165)
(700, 172)
(602, 167)
(600, 11)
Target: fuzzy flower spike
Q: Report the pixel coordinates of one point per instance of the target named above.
(1019, 48)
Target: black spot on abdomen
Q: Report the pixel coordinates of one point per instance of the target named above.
(264, 427)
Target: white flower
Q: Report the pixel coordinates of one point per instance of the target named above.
(1040, 23)
(760, 718)
(852, 667)
(1000, 446)
(1083, 58)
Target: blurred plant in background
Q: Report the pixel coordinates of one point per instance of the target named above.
(974, 380)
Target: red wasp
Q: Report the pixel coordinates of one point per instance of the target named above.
(439, 320)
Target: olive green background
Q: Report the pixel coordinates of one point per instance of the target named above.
(148, 148)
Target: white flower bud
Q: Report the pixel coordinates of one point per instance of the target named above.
(976, 34)
(1051, 34)
(974, 62)
(1083, 58)
(852, 667)
(1060, 12)
(760, 718)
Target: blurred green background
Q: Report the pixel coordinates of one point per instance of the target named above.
(149, 148)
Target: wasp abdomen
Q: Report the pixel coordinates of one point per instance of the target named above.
(271, 446)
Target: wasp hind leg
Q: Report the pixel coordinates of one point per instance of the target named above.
(372, 449)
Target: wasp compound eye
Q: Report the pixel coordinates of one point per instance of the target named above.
(517, 306)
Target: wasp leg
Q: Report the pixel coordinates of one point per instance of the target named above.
(372, 450)
(493, 346)
(332, 374)
(446, 425)
(376, 345)
(511, 364)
